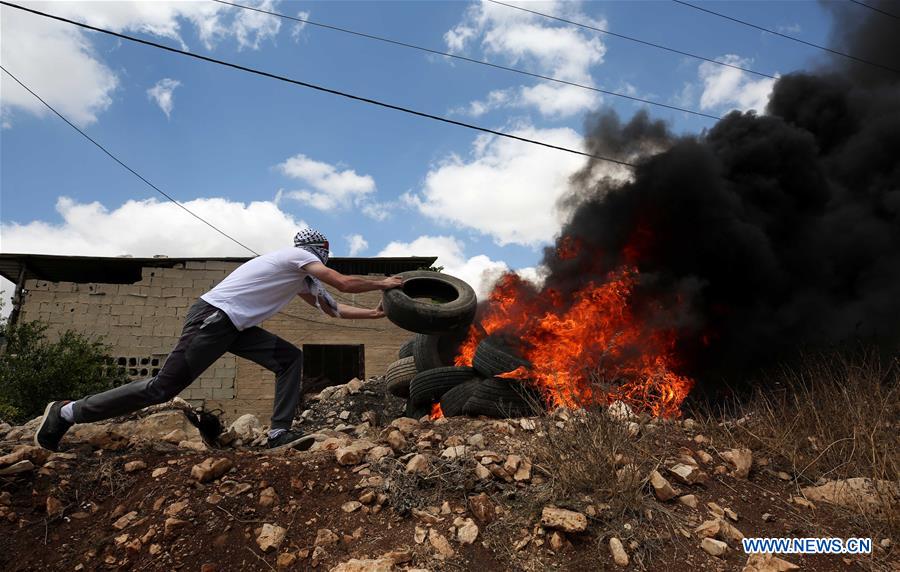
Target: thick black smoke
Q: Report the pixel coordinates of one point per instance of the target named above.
(766, 235)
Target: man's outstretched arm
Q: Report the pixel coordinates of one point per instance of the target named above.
(346, 312)
(350, 284)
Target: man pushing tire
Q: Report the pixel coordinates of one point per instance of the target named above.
(226, 319)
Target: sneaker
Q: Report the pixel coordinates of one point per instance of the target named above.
(299, 441)
(52, 427)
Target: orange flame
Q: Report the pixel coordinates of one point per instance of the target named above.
(520, 372)
(587, 348)
(436, 412)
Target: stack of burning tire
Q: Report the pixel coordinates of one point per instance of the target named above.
(440, 309)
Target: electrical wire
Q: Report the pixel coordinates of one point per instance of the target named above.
(874, 9)
(633, 39)
(467, 59)
(318, 87)
(132, 171)
(795, 39)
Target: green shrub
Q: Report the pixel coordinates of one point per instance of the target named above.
(34, 370)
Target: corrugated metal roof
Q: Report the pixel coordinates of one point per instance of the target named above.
(126, 270)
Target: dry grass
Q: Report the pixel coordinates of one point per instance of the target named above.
(832, 417)
(594, 454)
(596, 459)
(446, 480)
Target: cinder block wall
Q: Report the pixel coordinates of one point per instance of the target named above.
(143, 321)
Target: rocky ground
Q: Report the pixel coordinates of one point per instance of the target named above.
(379, 492)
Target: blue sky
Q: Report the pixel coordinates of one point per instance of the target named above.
(259, 157)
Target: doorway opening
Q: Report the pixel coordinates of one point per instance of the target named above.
(325, 365)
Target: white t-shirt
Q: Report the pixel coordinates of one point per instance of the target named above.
(260, 287)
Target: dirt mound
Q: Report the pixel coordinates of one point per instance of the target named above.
(379, 492)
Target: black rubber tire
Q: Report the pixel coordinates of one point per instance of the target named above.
(493, 357)
(430, 303)
(429, 386)
(398, 376)
(437, 350)
(453, 402)
(406, 350)
(502, 398)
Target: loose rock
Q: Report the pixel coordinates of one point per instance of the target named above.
(439, 542)
(354, 453)
(270, 537)
(741, 459)
(54, 506)
(357, 565)
(768, 563)
(173, 526)
(661, 487)
(620, 557)
(133, 466)
(873, 495)
(466, 530)
(713, 547)
(562, 519)
(268, 497)
(325, 537)
(482, 508)
(211, 469)
(688, 500)
(687, 474)
(418, 464)
(285, 560)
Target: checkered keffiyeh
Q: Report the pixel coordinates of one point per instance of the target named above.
(315, 242)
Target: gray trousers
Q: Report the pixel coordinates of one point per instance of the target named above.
(208, 333)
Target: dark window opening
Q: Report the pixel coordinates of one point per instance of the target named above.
(325, 365)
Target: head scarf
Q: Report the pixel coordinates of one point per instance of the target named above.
(313, 241)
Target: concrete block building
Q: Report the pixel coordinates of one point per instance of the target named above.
(138, 306)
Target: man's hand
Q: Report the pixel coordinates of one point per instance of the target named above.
(391, 282)
(378, 311)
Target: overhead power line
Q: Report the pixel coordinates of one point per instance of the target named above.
(633, 39)
(874, 9)
(132, 171)
(792, 38)
(318, 87)
(466, 59)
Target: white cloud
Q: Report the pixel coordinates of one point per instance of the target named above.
(730, 88)
(331, 187)
(494, 99)
(356, 243)
(537, 44)
(506, 189)
(148, 227)
(794, 28)
(558, 100)
(478, 271)
(162, 94)
(60, 63)
(378, 211)
(297, 29)
(252, 28)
